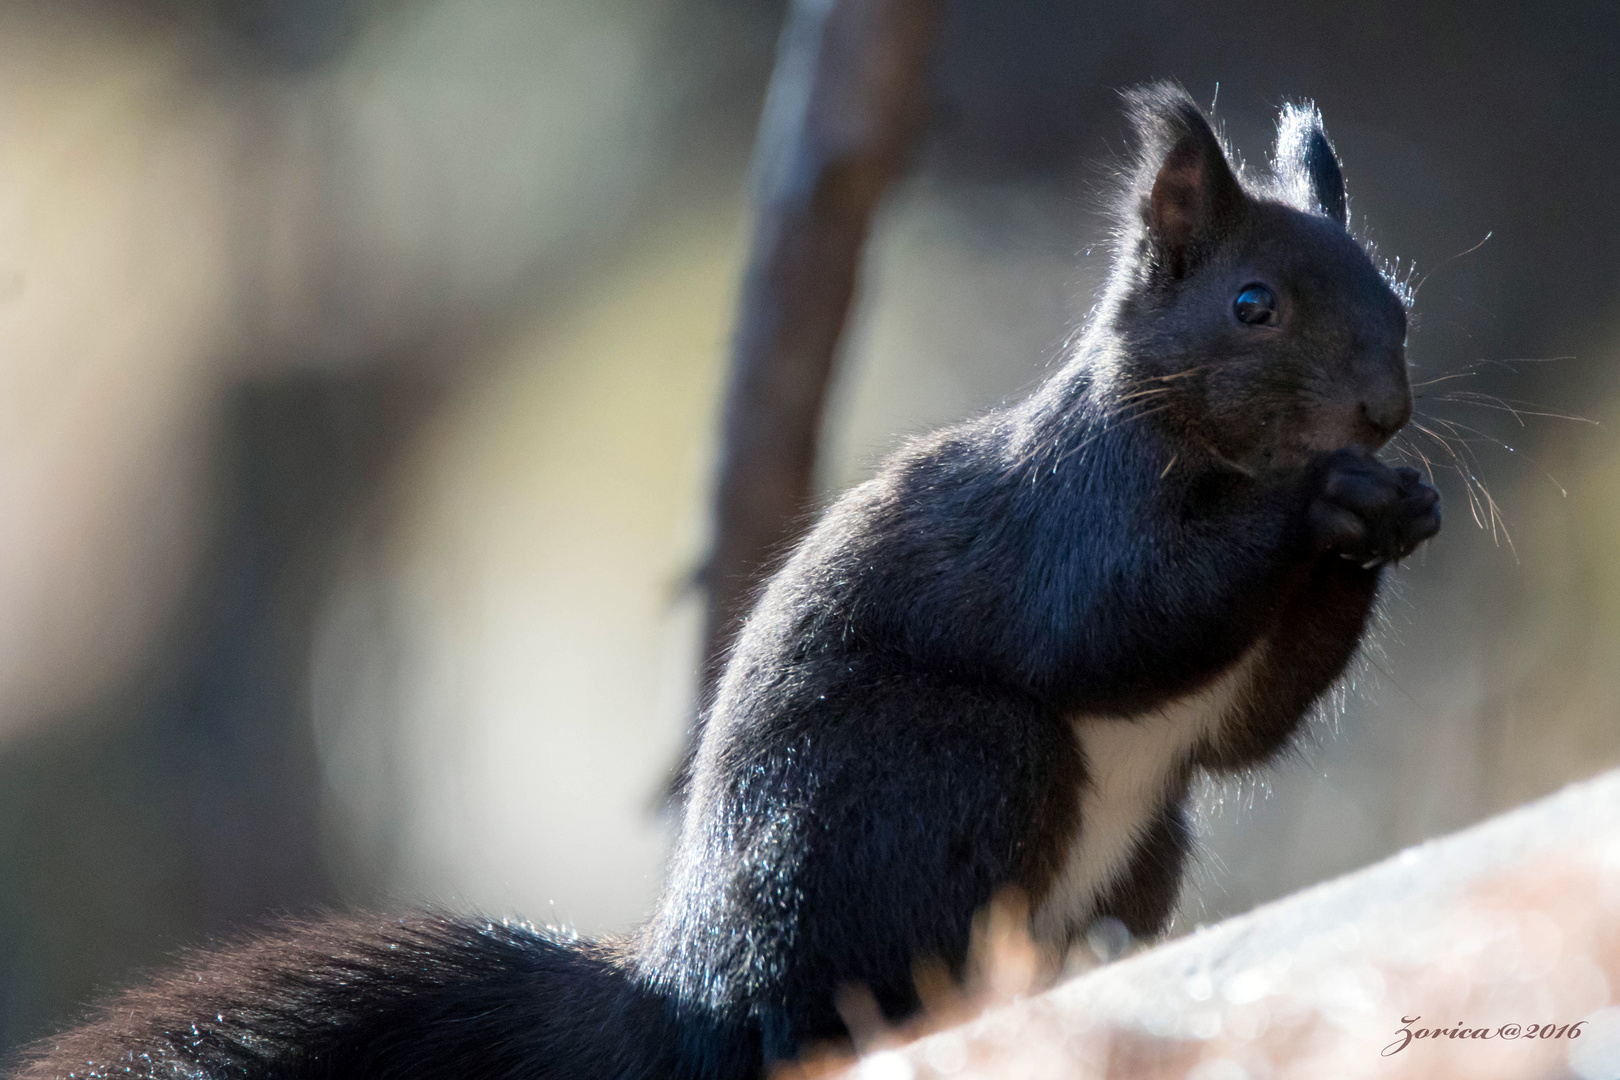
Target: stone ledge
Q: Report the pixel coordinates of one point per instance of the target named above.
(1478, 936)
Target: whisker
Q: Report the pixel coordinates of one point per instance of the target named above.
(1460, 466)
(1424, 279)
(1099, 434)
(1126, 396)
(1473, 367)
(1484, 436)
(1146, 393)
(1467, 444)
(1402, 443)
(1482, 504)
(1445, 378)
(1526, 408)
(1481, 404)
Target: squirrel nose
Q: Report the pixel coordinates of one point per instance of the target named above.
(1386, 413)
(1383, 396)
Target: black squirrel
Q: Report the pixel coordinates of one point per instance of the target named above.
(995, 664)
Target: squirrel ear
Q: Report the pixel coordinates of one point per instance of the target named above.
(1307, 168)
(1187, 194)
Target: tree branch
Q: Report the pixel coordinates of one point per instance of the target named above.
(840, 117)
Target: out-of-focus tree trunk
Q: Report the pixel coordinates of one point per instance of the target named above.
(843, 111)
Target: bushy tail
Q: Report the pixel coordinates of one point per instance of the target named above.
(420, 998)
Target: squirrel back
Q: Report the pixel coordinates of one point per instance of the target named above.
(997, 664)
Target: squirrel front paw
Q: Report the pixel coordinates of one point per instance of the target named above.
(1370, 513)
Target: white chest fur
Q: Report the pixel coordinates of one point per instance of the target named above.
(1131, 764)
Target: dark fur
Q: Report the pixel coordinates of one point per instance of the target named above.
(892, 742)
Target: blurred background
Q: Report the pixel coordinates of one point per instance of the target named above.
(360, 368)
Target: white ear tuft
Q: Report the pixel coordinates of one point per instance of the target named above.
(1308, 173)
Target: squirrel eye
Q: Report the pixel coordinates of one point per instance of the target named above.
(1256, 305)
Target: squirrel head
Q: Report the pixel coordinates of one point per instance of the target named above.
(1260, 327)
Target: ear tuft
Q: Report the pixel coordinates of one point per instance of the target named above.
(1308, 173)
(1183, 189)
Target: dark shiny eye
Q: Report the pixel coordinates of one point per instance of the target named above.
(1256, 305)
